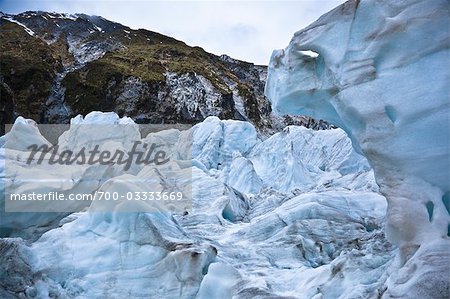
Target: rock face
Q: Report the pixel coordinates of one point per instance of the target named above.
(55, 66)
(380, 72)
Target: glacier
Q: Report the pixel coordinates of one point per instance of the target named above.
(360, 211)
(381, 74)
(294, 215)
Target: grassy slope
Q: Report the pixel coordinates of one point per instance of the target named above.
(27, 69)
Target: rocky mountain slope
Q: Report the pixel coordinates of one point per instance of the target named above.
(55, 66)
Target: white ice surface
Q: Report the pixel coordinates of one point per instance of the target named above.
(298, 214)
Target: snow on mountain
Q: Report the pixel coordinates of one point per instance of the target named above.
(382, 75)
(27, 30)
(284, 216)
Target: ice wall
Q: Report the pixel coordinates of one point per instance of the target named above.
(380, 70)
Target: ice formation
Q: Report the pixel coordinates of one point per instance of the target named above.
(382, 75)
(295, 215)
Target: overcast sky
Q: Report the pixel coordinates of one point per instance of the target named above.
(247, 30)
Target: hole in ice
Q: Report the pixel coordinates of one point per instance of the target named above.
(370, 226)
(448, 230)
(391, 113)
(205, 269)
(228, 214)
(446, 201)
(430, 209)
(310, 53)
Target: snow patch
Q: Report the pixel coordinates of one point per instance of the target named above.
(27, 30)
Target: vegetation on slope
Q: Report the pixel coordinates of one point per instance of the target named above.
(27, 69)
